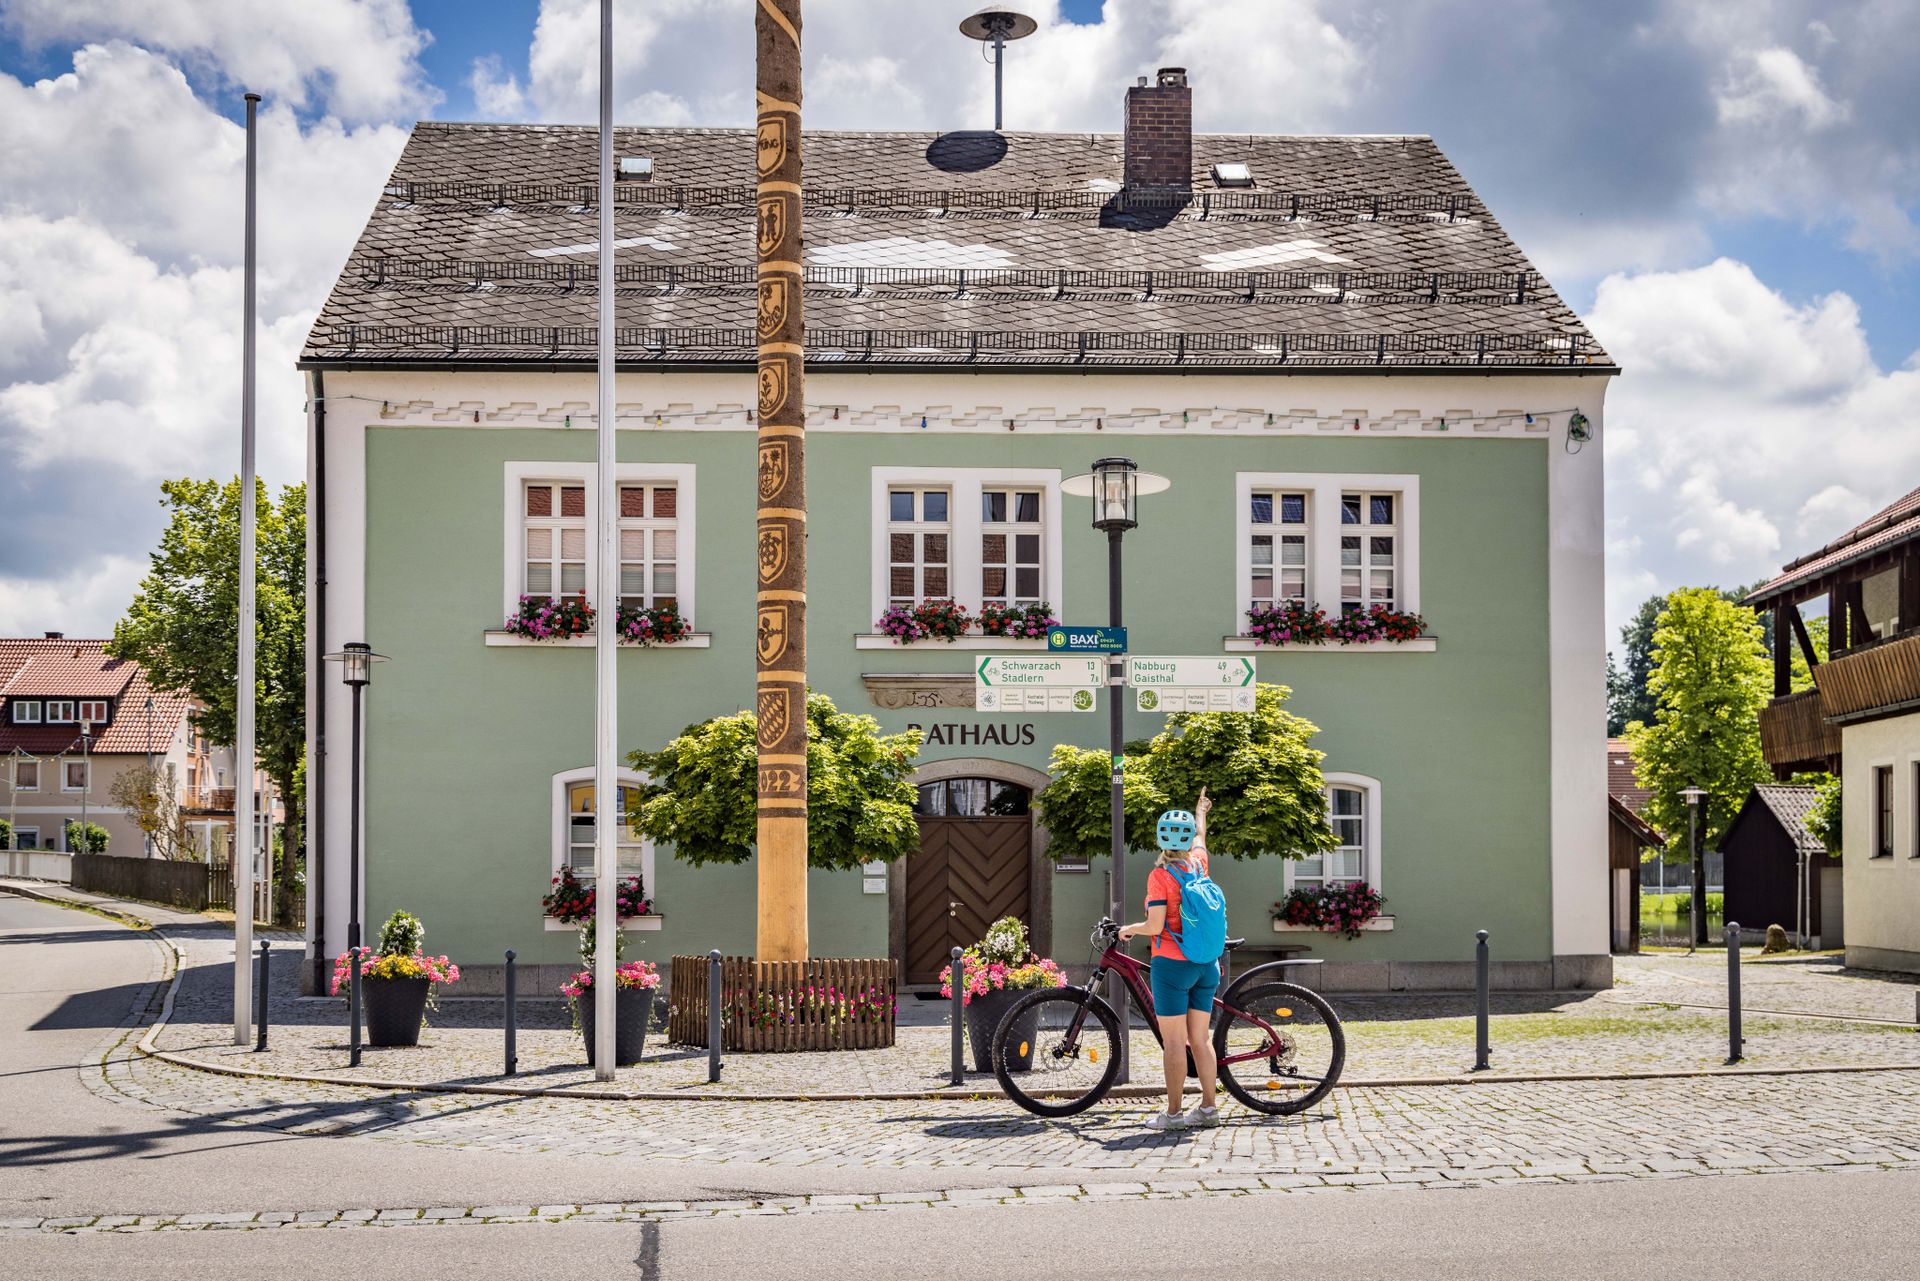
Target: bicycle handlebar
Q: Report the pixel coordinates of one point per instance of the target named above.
(1105, 934)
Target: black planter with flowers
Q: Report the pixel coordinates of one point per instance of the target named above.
(984, 1015)
(995, 973)
(396, 982)
(396, 1010)
(632, 1014)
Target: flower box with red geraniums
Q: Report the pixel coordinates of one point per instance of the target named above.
(658, 625)
(1022, 622)
(545, 618)
(382, 965)
(943, 620)
(572, 902)
(1298, 623)
(1338, 909)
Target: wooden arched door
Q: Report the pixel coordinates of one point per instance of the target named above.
(974, 867)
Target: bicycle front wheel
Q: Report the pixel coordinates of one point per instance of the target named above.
(1070, 1041)
(1280, 1045)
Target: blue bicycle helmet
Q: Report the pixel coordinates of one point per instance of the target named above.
(1177, 830)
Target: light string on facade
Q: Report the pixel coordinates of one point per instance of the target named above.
(1579, 430)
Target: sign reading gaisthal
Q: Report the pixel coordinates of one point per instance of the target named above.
(1355, 380)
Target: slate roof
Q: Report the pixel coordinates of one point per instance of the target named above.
(924, 249)
(1898, 523)
(81, 669)
(1621, 781)
(1789, 804)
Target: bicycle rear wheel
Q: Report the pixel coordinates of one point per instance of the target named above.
(1073, 1040)
(1280, 1045)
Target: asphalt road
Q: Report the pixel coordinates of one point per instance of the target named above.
(67, 980)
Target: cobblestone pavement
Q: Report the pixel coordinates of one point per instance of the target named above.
(1388, 1038)
(1814, 984)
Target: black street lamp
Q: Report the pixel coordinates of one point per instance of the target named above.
(1697, 926)
(356, 659)
(1115, 485)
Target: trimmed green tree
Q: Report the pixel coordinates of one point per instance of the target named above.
(1710, 678)
(1823, 817)
(701, 795)
(1261, 770)
(86, 838)
(183, 626)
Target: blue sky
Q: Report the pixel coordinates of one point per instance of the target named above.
(1728, 192)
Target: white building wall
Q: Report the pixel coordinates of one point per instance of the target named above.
(1882, 895)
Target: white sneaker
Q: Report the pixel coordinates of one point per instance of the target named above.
(1167, 1121)
(1200, 1118)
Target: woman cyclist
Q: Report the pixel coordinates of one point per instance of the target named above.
(1182, 989)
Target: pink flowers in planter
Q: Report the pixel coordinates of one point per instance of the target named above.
(1298, 623)
(548, 618)
(390, 965)
(657, 625)
(627, 976)
(1026, 622)
(572, 902)
(1338, 909)
(948, 620)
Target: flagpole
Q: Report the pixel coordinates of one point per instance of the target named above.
(242, 858)
(606, 815)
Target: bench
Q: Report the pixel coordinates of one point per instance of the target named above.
(1241, 950)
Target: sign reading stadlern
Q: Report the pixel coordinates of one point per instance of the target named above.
(1192, 684)
(1010, 683)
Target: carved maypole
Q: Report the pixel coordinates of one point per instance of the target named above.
(781, 636)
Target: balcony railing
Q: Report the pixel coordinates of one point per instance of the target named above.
(1794, 731)
(214, 799)
(1886, 674)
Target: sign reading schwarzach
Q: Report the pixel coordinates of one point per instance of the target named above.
(1009, 683)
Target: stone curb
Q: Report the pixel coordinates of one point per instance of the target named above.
(147, 1047)
(1034, 1194)
(75, 905)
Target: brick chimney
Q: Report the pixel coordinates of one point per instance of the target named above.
(1159, 146)
(56, 635)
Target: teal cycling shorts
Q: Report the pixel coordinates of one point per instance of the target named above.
(1179, 986)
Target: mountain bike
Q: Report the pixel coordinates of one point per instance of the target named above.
(1280, 1045)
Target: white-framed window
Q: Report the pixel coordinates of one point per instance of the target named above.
(73, 776)
(26, 838)
(26, 712)
(1359, 540)
(60, 712)
(989, 534)
(1369, 542)
(574, 817)
(553, 539)
(649, 545)
(1277, 546)
(26, 775)
(919, 544)
(93, 711)
(549, 545)
(1012, 539)
(1353, 811)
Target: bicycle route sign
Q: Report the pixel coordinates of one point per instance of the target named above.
(1015, 683)
(1199, 684)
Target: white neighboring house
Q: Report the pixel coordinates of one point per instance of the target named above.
(1862, 718)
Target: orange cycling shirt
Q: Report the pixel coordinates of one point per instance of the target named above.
(1164, 887)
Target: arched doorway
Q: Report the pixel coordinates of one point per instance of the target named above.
(980, 859)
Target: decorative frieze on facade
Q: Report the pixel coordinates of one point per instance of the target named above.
(907, 690)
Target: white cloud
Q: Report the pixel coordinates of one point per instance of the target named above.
(353, 59)
(1736, 405)
(1772, 87)
(83, 601)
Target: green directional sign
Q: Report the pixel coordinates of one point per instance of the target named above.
(1214, 673)
(1016, 683)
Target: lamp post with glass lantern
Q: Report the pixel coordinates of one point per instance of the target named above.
(1115, 485)
(1697, 915)
(356, 659)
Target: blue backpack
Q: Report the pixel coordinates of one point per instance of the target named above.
(1203, 916)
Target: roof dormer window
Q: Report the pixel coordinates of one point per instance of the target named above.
(26, 711)
(93, 711)
(59, 712)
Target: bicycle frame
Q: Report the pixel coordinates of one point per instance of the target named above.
(1133, 975)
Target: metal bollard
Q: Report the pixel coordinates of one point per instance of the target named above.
(353, 1005)
(513, 1016)
(958, 1017)
(1482, 1004)
(260, 999)
(713, 1015)
(1734, 1040)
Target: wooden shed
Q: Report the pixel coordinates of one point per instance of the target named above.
(1778, 872)
(1627, 835)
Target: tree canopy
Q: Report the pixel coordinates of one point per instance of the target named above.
(1709, 680)
(1260, 769)
(184, 624)
(701, 796)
